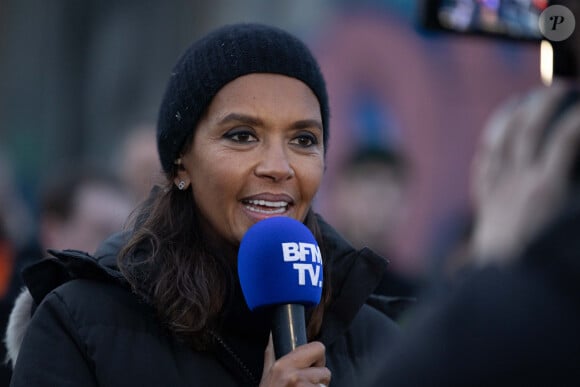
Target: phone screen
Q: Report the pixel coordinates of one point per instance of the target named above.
(513, 19)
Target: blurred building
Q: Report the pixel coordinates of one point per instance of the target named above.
(439, 87)
(75, 76)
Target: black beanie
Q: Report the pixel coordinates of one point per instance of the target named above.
(217, 59)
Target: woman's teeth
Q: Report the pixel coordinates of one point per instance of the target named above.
(266, 207)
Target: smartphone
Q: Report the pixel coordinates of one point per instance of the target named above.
(516, 20)
(510, 19)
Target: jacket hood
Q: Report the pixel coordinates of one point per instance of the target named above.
(17, 324)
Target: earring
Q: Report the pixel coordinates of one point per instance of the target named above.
(181, 185)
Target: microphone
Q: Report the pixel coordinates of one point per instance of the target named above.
(280, 268)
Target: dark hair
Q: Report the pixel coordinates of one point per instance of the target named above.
(168, 263)
(390, 158)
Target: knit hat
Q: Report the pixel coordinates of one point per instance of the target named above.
(217, 59)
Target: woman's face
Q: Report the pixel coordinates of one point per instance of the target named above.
(257, 152)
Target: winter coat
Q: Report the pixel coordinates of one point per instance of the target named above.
(90, 329)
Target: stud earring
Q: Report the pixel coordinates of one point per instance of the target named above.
(181, 185)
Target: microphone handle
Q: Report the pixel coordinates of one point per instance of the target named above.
(288, 328)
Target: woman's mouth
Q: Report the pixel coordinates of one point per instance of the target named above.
(266, 207)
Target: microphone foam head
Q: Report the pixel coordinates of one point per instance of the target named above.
(279, 262)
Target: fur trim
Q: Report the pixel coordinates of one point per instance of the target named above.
(17, 324)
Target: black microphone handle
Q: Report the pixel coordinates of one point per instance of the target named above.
(288, 328)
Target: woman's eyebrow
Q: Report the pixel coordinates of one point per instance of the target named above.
(309, 123)
(254, 121)
(241, 118)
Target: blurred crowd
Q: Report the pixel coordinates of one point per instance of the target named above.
(77, 207)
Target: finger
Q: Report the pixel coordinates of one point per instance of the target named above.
(535, 109)
(316, 375)
(491, 157)
(269, 357)
(563, 146)
(312, 354)
(496, 129)
(541, 111)
(304, 364)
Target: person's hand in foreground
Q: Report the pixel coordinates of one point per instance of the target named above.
(521, 177)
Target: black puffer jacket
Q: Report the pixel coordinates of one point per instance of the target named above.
(91, 330)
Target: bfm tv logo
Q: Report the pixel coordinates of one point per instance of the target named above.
(307, 259)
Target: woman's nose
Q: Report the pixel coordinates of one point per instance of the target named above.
(274, 164)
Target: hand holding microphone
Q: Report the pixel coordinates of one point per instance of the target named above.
(280, 268)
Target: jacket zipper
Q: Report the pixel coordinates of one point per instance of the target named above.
(249, 375)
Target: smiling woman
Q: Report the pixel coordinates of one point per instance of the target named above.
(241, 136)
(265, 158)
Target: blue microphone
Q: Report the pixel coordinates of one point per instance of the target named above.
(280, 268)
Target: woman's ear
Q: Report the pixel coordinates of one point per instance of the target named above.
(182, 179)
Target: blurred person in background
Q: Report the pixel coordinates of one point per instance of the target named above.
(367, 198)
(140, 168)
(81, 207)
(78, 208)
(18, 247)
(19, 222)
(370, 192)
(242, 136)
(368, 204)
(512, 317)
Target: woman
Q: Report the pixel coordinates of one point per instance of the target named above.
(242, 135)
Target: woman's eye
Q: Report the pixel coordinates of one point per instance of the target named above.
(305, 140)
(241, 136)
